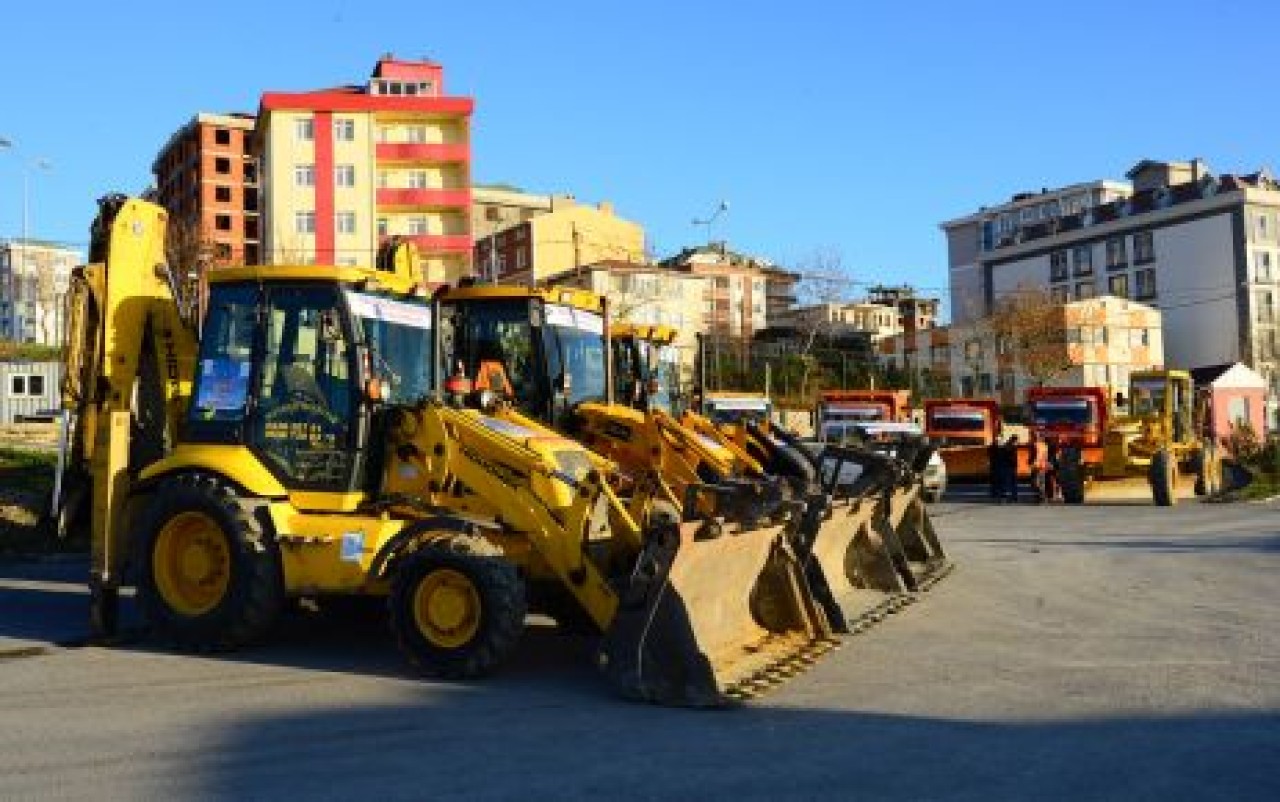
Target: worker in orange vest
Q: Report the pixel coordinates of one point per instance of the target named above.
(1038, 456)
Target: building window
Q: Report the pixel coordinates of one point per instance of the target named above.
(416, 134)
(1139, 337)
(1145, 284)
(984, 383)
(304, 175)
(417, 225)
(522, 259)
(383, 226)
(222, 194)
(304, 130)
(1082, 255)
(417, 179)
(1262, 226)
(222, 165)
(1060, 294)
(222, 222)
(1084, 290)
(344, 175)
(1118, 285)
(492, 214)
(221, 136)
(1266, 310)
(1143, 247)
(1116, 257)
(17, 385)
(1262, 266)
(1058, 266)
(35, 385)
(304, 222)
(345, 222)
(344, 129)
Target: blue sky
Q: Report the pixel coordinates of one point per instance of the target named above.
(848, 128)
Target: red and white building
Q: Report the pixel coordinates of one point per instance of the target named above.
(347, 167)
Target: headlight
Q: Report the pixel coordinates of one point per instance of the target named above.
(573, 463)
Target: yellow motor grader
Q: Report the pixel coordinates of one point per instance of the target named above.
(1158, 437)
(297, 444)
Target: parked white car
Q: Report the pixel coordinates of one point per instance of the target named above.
(880, 436)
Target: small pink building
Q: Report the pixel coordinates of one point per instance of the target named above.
(1236, 393)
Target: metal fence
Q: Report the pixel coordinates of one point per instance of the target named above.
(28, 390)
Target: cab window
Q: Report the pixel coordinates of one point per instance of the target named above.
(306, 392)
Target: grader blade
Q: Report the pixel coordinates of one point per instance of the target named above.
(707, 620)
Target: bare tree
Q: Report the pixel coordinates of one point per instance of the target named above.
(1029, 327)
(189, 251)
(824, 280)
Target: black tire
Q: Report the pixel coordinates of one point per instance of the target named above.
(254, 596)
(1071, 476)
(498, 623)
(1208, 474)
(1163, 477)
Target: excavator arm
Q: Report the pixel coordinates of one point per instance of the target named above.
(130, 356)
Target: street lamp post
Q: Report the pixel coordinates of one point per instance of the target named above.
(721, 209)
(28, 165)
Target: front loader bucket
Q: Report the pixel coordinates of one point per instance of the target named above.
(851, 557)
(910, 519)
(703, 622)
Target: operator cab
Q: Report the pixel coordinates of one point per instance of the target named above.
(296, 371)
(645, 373)
(545, 358)
(1153, 396)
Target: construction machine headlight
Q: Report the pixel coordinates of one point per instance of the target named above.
(573, 463)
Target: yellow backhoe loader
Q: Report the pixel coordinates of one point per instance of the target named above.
(1160, 438)
(867, 545)
(297, 445)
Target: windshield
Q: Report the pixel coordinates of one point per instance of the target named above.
(1069, 411)
(841, 433)
(1147, 397)
(668, 376)
(955, 420)
(398, 336)
(724, 411)
(574, 342)
(862, 412)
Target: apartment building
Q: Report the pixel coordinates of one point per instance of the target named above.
(206, 176)
(1097, 342)
(1202, 248)
(836, 319)
(33, 288)
(500, 206)
(567, 236)
(346, 168)
(646, 293)
(740, 289)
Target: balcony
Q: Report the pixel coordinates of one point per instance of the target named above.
(441, 243)
(432, 198)
(422, 152)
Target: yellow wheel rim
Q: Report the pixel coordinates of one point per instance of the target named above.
(446, 606)
(192, 564)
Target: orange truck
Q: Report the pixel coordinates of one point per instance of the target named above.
(963, 428)
(858, 406)
(1070, 415)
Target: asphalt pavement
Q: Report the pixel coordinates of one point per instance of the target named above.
(1106, 652)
